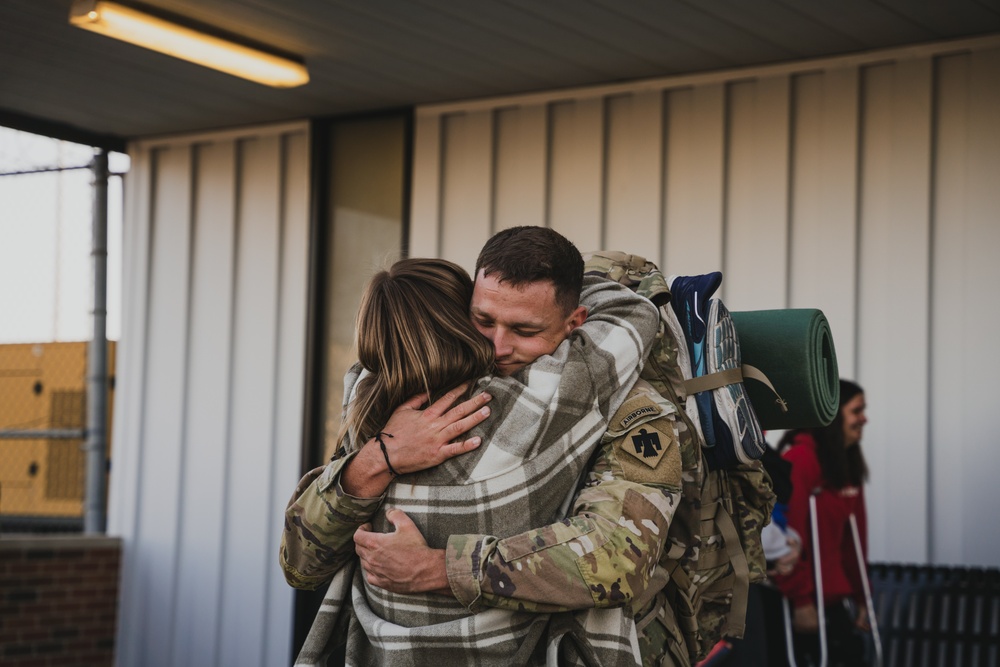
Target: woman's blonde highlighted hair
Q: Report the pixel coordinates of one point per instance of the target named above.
(414, 336)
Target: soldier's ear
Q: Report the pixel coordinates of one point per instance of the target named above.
(576, 318)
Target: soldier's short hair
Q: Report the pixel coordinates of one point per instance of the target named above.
(527, 254)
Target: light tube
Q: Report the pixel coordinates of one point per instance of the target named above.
(151, 32)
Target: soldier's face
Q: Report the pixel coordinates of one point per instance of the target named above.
(854, 419)
(523, 322)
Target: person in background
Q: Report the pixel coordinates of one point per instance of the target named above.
(829, 463)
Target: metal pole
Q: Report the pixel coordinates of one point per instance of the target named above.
(818, 573)
(863, 569)
(94, 517)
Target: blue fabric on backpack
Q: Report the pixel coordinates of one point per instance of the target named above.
(690, 304)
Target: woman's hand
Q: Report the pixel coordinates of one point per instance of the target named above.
(806, 619)
(421, 439)
(861, 622)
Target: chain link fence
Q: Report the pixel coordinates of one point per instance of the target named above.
(45, 306)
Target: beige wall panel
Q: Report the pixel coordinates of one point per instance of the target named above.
(521, 166)
(425, 201)
(823, 234)
(130, 396)
(219, 310)
(131, 348)
(755, 274)
(894, 302)
(965, 360)
(247, 556)
(576, 195)
(206, 428)
(290, 354)
(634, 173)
(950, 298)
(467, 199)
(694, 180)
(157, 522)
(982, 321)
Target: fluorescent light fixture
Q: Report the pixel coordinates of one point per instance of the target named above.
(157, 34)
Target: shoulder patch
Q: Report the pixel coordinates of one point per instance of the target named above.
(650, 453)
(637, 407)
(645, 444)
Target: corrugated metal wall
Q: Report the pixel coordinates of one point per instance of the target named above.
(209, 413)
(868, 186)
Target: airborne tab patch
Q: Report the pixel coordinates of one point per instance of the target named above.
(634, 409)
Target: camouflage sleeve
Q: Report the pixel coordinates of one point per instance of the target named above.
(602, 555)
(320, 523)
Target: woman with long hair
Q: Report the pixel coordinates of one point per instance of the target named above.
(828, 463)
(414, 336)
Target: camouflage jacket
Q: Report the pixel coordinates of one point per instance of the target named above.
(602, 555)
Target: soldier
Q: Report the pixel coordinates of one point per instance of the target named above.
(600, 557)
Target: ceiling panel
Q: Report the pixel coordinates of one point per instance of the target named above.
(396, 53)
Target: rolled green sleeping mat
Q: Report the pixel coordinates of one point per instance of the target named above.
(794, 349)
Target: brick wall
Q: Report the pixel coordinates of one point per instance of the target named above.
(58, 600)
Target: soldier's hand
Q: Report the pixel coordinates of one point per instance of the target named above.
(806, 619)
(423, 438)
(401, 561)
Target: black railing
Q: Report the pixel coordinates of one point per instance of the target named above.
(937, 616)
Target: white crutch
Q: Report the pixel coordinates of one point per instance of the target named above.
(789, 642)
(872, 621)
(820, 607)
(820, 610)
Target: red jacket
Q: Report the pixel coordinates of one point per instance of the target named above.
(838, 560)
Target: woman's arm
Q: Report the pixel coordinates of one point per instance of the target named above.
(330, 503)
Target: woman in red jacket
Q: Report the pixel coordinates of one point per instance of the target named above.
(828, 463)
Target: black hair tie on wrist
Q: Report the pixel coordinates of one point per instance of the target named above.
(385, 452)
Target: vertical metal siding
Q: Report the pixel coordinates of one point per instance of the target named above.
(467, 201)
(893, 302)
(211, 423)
(950, 362)
(576, 193)
(864, 185)
(154, 540)
(824, 201)
(756, 241)
(201, 517)
(130, 392)
(966, 273)
(634, 149)
(695, 182)
(521, 178)
(978, 328)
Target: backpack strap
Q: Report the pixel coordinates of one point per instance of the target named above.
(722, 514)
(712, 381)
(736, 619)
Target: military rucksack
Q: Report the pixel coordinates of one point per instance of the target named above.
(713, 550)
